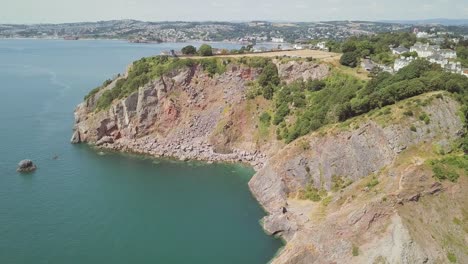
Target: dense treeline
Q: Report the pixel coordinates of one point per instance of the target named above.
(462, 52)
(377, 47)
(314, 104)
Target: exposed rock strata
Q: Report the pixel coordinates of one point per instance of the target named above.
(181, 114)
(189, 115)
(353, 154)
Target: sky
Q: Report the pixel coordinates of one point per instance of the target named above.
(59, 11)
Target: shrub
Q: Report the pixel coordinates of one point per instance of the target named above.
(312, 193)
(350, 59)
(315, 85)
(265, 118)
(339, 183)
(408, 113)
(372, 183)
(446, 168)
(281, 112)
(189, 50)
(413, 128)
(205, 50)
(451, 257)
(213, 66)
(355, 251)
(424, 117)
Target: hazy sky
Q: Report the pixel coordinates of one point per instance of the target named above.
(54, 11)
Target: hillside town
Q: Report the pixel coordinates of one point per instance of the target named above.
(427, 48)
(248, 32)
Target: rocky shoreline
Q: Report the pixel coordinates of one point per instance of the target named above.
(201, 151)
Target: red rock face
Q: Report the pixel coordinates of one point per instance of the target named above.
(246, 74)
(170, 111)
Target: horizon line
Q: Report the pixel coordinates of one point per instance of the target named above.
(392, 21)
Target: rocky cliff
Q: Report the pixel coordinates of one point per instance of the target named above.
(371, 171)
(188, 114)
(375, 223)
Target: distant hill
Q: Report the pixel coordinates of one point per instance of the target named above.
(440, 21)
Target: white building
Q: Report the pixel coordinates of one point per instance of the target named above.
(277, 40)
(298, 47)
(424, 50)
(422, 35)
(454, 67)
(437, 58)
(465, 72)
(401, 63)
(322, 45)
(448, 53)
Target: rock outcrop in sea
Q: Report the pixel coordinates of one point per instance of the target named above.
(26, 166)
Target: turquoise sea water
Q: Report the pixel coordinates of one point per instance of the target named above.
(112, 208)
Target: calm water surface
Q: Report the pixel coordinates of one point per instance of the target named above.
(91, 208)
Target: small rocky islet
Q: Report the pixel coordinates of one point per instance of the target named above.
(26, 165)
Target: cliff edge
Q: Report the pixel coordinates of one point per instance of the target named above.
(359, 190)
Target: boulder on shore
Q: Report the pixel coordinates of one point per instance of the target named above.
(76, 138)
(26, 166)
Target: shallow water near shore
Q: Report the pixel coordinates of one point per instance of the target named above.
(84, 207)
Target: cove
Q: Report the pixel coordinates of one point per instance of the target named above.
(113, 208)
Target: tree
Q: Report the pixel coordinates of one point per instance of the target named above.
(205, 50)
(350, 59)
(189, 50)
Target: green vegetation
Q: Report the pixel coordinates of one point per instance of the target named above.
(450, 167)
(425, 118)
(213, 66)
(372, 183)
(377, 47)
(451, 257)
(339, 183)
(313, 194)
(205, 50)
(268, 80)
(265, 118)
(189, 50)
(355, 251)
(96, 90)
(462, 52)
(350, 59)
(340, 97)
(327, 200)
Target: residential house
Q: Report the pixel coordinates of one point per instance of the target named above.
(437, 58)
(322, 46)
(424, 50)
(448, 53)
(277, 40)
(422, 35)
(298, 47)
(454, 67)
(401, 63)
(465, 72)
(399, 50)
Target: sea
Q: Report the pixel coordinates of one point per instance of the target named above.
(86, 206)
